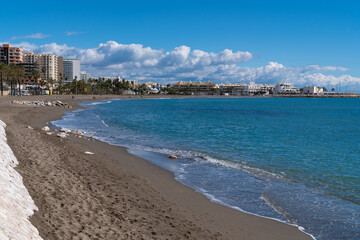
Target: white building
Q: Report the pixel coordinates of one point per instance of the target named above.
(244, 89)
(312, 90)
(285, 88)
(71, 69)
(254, 89)
(84, 76)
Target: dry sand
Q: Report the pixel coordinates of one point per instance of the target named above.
(112, 194)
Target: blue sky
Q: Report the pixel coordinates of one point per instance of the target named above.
(295, 34)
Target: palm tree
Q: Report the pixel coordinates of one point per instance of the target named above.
(13, 75)
(20, 72)
(3, 72)
(60, 84)
(43, 71)
(75, 85)
(35, 75)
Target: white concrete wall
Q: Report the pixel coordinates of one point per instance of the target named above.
(16, 204)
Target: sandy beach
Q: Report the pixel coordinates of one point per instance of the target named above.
(113, 194)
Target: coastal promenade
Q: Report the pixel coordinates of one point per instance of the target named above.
(112, 194)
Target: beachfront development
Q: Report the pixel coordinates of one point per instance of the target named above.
(27, 73)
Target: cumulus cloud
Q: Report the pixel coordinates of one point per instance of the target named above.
(34, 36)
(73, 33)
(112, 56)
(134, 61)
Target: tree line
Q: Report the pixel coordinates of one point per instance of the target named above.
(12, 76)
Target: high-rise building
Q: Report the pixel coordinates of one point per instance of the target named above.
(84, 76)
(10, 55)
(71, 69)
(46, 64)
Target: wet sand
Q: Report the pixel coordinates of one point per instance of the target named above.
(113, 194)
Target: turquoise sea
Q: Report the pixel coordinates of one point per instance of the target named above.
(295, 160)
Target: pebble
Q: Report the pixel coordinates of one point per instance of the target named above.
(65, 130)
(77, 132)
(62, 135)
(42, 103)
(46, 129)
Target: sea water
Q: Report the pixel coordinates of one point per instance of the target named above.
(294, 160)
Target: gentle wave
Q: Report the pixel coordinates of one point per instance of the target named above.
(196, 156)
(202, 157)
(212, 198)
(100, 102)
(102, 121)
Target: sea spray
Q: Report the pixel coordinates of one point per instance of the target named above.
(16, 204)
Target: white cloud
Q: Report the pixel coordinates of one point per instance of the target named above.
(274, 72)
(34, 36)
(73, 33)
(182, 63)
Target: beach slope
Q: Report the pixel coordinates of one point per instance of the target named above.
(112, 194)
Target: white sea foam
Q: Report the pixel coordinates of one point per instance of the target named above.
(270, 203)
(16, 204)
(212, 198)
(196, 156)
(102, 121)
(100, 102)
(201, 157)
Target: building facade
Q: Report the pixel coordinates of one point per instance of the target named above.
(60, 68)
(255, 89)
(241, 89)
(46, 64)
(312, 90)
(84, 76)
(191, 87)
(71, 69)
(285, 88)
(10, 55)
(28, 69)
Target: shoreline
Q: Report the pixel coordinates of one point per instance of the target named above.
(208, 219)
(216, 201)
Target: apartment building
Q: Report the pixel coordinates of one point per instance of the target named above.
(285, 88)
(71, 69)
(46, 64)
(84, 76)
(200, 87)
(240, 89)
(10, 55)
(312, 90)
